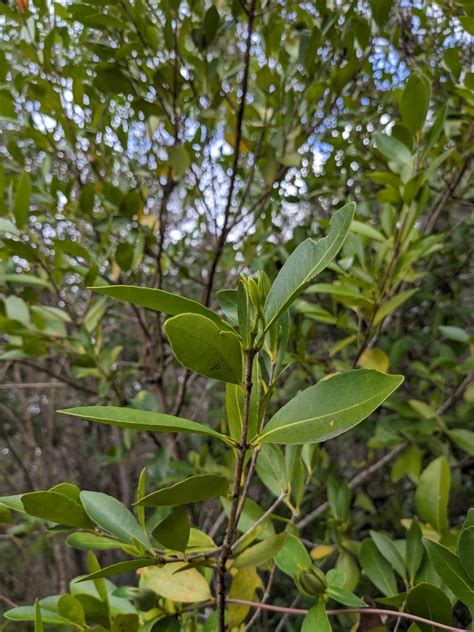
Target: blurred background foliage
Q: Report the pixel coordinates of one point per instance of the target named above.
(177, 144)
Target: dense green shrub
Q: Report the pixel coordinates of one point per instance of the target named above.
(173, 265)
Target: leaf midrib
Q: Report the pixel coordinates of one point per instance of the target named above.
(302, 421)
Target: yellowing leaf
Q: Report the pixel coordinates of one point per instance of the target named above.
(320, 552)
(374, 359)
(175, 584)
(244, 584)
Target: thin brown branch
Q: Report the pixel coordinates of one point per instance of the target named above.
(236, 494)
(339, 611)
(235, 162)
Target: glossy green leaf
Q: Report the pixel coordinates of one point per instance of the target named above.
(113, 517)
(305, 262)
(200, 345)
(136, 419)
(293, 556)
(429, 602)
(261, 552)
(227, 300)
(56, 507)
(466, 551)
(119, 568)
(330, 408)
(190, 490)
(159, 301)
(377, 569)
(414, 549)
(316, 619)
(432, 494)
(22, 200)
(389, 551)
(173, 582)
(448, 566)
(415, 102)
(173, 531)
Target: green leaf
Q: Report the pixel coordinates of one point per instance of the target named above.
(71, 608)
(316, 619)
(305, 262)
(261, 552)
(173, 531)
(200, 345)
(136, 419)
(38, 618)
(22, 200)
(13, 502)
(190, 490)
(92, 542)
(414, 549)
(345, 597)
(454, 333)
(415, 102)
(467, 22)
(367, 230)
(127, 623)
(330, 408)
(293, 556)
(56, 507)
(377, 569)
(463, 438)
(432, 494)
(448, 566)
(466, 551)
(380, 10)
(141, 492)
(389, 551)
(28, 613)
(429, 602)
(100, 584)
(392, 304)
(113, 81)
(173, 582)
(159, 301)
(179, 159)
(210, 25)
(227, 300)
(109, 514)
(393, 149)
(118, 569)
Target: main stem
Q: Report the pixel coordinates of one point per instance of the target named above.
(236, 494)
